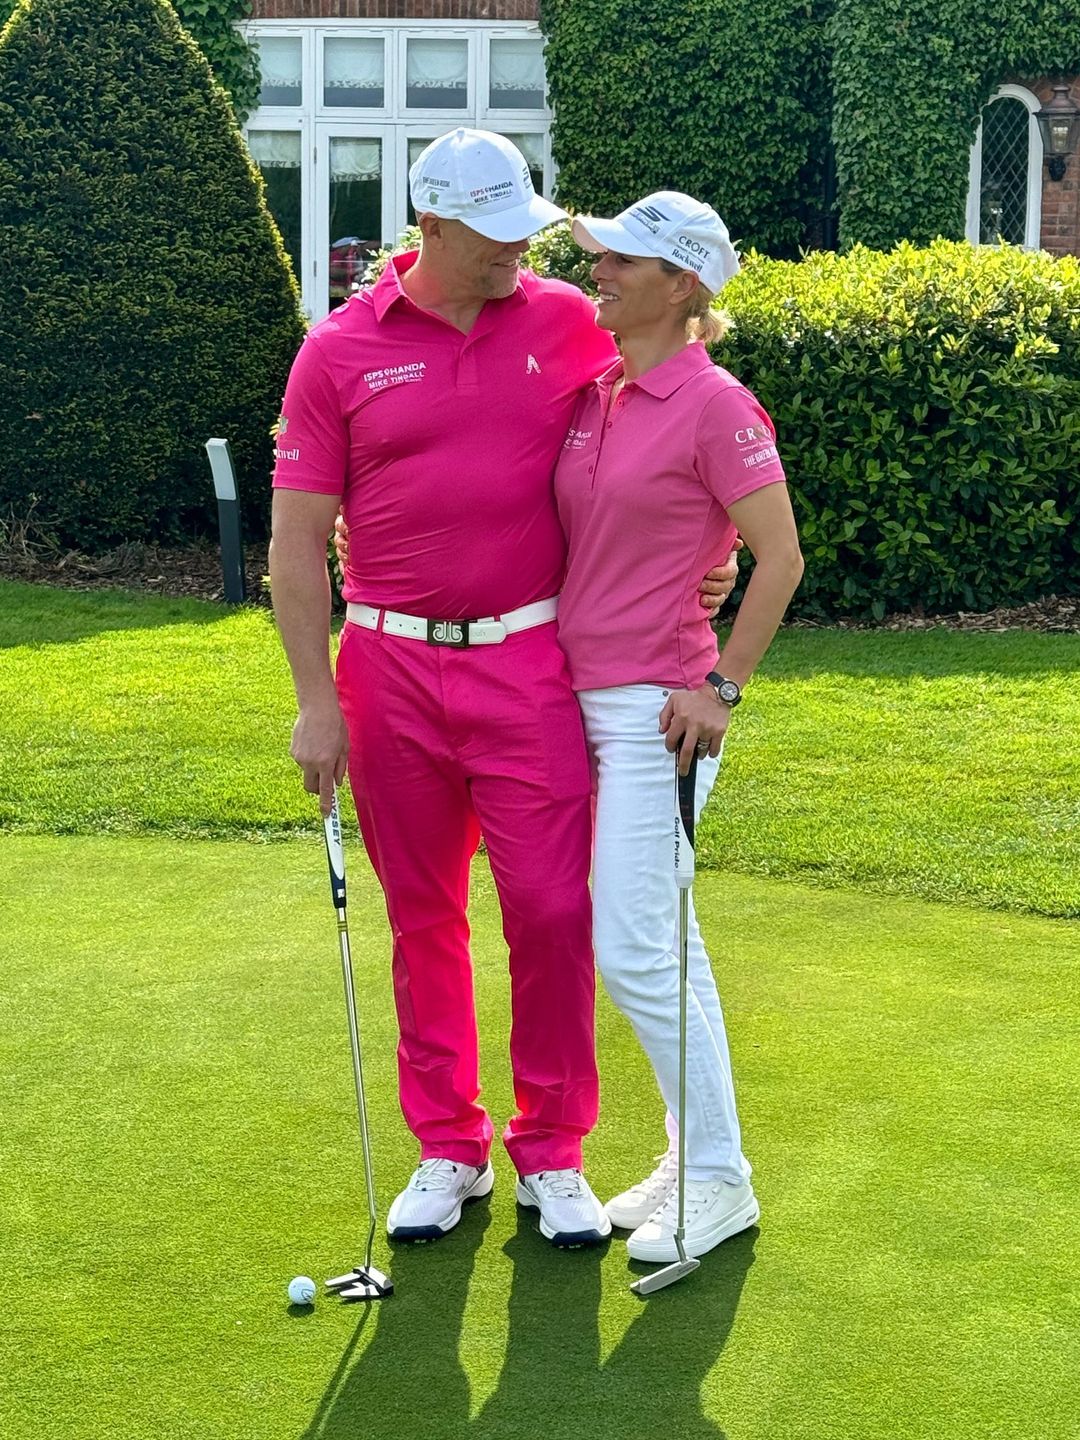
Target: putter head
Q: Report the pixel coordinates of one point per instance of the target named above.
(661, 1279)
(363, 1283)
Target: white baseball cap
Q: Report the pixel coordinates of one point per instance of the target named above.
(670, 226)
(482, 180)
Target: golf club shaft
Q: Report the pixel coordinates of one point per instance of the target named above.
(684, 922)
(335, 854)
(358, 1076)
(685, 808)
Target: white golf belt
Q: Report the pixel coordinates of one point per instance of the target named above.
(487, 630)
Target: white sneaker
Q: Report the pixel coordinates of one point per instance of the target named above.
(570, 1214)
(715, 1210)
(634, 1206)
(430, 1204)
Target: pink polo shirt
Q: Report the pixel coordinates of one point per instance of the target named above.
(642, 493)
(442, 445)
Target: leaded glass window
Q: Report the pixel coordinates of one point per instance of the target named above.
(1003, 194)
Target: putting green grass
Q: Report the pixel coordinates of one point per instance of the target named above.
(936, 764)
(179, 1139)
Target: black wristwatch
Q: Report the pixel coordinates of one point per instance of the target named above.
(727, 691)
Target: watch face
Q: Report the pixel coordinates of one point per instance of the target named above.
(728, 691)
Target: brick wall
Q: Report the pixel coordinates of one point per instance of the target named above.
(1061, 198)
(492, 10)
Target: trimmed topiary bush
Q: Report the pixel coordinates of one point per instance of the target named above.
(146, 302)
(212, 24)
(927, 403)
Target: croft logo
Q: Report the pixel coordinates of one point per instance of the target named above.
(753, 435)
(694, 246)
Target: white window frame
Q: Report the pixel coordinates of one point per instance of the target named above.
(404, 113)
(390, 71)
(287, 32)
(500, 119)
(1033, 219)
(393, 124)
(277, 119)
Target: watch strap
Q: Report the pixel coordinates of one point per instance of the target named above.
(715, 679)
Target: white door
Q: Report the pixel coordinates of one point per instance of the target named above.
(355, 185)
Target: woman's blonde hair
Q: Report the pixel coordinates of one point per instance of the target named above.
(702, 321)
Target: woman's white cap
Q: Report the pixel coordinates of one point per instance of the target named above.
(669, 226)
(482, 180)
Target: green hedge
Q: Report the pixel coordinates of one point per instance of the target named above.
(909, 81)
(145, 299)
(726, 99)
(927, 403)
(212, 24)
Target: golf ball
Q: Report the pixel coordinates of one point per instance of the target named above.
(302, 1290)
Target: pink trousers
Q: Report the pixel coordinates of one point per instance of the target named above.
(445, 746)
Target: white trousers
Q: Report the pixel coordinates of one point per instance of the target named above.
(636, 919)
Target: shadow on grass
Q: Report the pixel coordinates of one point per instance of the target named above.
(410, 1381)
(38, 615)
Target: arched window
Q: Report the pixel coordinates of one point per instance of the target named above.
(1005, 183)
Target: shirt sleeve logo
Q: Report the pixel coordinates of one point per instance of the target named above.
(760, 442)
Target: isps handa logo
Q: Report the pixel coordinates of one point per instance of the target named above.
(409, 374)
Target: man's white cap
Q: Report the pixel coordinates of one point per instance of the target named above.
(482, 180)
(669, 226)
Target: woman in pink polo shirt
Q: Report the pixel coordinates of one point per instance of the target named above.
(666, 458)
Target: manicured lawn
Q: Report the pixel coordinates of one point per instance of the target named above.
(179, 1139)
(935, 764)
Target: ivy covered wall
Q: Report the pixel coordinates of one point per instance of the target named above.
(727, 99)
(909, 80)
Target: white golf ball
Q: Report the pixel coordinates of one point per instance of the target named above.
(302, 1290)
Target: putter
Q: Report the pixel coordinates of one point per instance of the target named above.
(364, 1282)
(685, 789)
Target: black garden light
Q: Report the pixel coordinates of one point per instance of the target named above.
(1059, 125)
(232, 551)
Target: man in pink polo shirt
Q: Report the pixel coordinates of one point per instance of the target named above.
(433, 406)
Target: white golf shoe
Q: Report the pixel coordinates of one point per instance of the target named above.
(715, 1210)
(634, 1206)
(570, 1214)
(430, 1204)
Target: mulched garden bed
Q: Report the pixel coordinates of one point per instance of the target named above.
(194, 571)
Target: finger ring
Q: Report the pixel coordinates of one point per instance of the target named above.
(702, 747)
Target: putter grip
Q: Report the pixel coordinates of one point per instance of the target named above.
(685, 790)
(335, 853)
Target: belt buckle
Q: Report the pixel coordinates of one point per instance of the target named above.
(454, 633)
